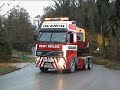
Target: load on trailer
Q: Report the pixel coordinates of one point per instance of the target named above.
(62, 45)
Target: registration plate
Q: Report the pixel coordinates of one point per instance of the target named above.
(47, 65)
(48, 59)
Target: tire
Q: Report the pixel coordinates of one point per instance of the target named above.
(86, 64)
(90, 63)
(72, 66)
(43, 69)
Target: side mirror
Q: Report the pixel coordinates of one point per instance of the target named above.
(71, 38)
(35, 37)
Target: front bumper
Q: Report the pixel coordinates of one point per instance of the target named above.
(51, 62)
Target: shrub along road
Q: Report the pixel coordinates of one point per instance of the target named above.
(30, 78)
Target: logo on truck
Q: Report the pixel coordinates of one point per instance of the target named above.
(72, 47)
(54, 26)
(49, 46)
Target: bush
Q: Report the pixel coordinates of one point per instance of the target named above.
(100, 61)
(5, 51)
(21, 46)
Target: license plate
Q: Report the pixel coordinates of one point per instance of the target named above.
(47, 65)
(48, 59)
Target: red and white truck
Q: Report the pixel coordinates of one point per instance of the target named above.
(62, 45)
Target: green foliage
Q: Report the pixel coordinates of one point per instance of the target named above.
(101, 62)
(19, 30)
(1, 30)
(6, 68)
(111, 64)
(5, 51)
(89, 14)
(114, 25)
(62, 8)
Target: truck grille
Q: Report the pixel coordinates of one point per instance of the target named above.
(49, 53)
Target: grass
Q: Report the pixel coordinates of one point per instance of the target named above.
(17, 59)
(111, 64)
(6, 68)
(22, 57)
(100, 61)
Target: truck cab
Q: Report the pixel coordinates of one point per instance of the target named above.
(60, 44)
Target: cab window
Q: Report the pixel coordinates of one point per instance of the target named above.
(80, 36)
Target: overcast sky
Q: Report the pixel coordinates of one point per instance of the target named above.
(33, 7)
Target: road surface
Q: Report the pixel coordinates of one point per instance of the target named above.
(30, 78)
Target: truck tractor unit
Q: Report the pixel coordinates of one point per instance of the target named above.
(62, 45)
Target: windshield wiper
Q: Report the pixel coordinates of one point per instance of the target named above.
(41, 35)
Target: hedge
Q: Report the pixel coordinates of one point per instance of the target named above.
(5, 51)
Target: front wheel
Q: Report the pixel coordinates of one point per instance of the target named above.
(86, 64)
(90, 63)
(43, 69)
(72, 66)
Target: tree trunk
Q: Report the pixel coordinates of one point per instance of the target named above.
(118, 50)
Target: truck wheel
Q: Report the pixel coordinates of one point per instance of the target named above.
(90, 63)
(86, 64)
(43, 69)
(72, 66)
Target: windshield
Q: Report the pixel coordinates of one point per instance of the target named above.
(58, 37)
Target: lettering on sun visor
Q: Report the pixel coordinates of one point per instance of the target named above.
(53, 26)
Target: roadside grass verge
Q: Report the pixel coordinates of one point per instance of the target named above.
(22, 57)
(18, 59)
(6, 68)
(10, 66)
(111, 64)
(100, 61)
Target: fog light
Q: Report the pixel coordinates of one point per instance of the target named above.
(61, 63)
(37, 59)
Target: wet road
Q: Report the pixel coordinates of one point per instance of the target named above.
(30, 78)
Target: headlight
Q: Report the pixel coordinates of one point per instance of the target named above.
(61, 62)
(37, 59)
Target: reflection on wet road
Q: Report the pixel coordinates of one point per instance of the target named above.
(30, 78)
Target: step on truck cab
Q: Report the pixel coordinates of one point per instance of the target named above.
(62, 45)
